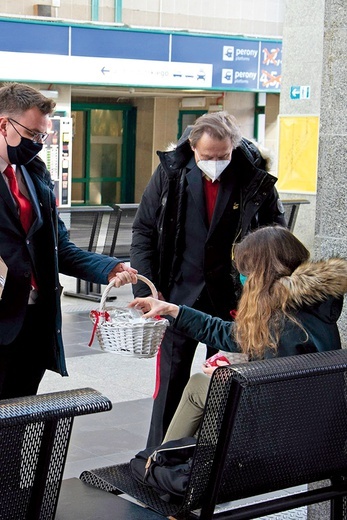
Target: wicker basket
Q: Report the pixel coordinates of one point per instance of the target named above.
(118, 332)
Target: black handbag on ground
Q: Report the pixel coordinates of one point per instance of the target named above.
(166, 468)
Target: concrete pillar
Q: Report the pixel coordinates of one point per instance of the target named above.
(315, 55)
(331, 205)
(302, 66)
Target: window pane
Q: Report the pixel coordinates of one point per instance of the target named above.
(78, 193)
(106, 137)
(102, 192)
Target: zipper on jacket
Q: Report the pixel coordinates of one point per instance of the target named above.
(238, 228)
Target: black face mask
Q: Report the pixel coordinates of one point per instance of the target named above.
(24, 152)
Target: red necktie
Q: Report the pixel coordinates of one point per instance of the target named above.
(211, 192)
(24, 204)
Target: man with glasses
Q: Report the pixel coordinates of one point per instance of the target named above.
(36, 137)
(34, 248)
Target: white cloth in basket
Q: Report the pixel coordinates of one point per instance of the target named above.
(118, 331)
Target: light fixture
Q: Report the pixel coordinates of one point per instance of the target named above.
(193, 102)
(50, 93)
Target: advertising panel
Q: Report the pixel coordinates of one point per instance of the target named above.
(298, 154)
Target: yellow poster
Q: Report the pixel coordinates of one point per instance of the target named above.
(298, 153)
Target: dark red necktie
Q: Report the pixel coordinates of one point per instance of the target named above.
(24, 204)
(211, 192)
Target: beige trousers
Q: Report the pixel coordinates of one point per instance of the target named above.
(186, 421)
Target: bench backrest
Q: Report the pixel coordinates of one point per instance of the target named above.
(122, 249)
(93, 228)
(34, 437)
(108, 229)
(291, 210)
(270, 425)
(111, 232)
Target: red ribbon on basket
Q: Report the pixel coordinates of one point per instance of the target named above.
(95, 315)
(157, 375)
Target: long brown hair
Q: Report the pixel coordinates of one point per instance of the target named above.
(265, 256)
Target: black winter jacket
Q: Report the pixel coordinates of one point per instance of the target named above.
(170, 225)
(317, 290)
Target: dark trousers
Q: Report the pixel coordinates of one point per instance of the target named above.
(22, 366)
(23, 362)
(173, 371)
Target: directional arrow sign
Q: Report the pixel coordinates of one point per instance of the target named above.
(294, 92)
(299, 92)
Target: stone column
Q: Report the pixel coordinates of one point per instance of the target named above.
(331, 205)
(315, 55)
(302, 66)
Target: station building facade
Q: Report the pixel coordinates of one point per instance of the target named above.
(121, 115)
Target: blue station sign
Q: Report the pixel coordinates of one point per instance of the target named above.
(84, 54)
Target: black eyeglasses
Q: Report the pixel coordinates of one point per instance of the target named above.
(36, 137)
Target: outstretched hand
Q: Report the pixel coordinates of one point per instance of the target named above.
(152, 307)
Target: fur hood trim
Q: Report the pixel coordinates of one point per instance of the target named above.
(313, 282)
(266, 155)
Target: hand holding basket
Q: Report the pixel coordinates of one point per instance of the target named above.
(120, 333)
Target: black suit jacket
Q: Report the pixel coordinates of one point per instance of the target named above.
(46, 249)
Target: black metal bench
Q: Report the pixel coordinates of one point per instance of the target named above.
(79, 501)
(108, 230)
(268, 426)
(34, 437)
(124, 237)
(122, 249)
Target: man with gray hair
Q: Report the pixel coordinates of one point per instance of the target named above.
(206, 194)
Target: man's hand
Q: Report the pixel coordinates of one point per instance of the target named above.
(122, 274)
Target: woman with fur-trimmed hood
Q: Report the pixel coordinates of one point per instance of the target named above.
(289, 305)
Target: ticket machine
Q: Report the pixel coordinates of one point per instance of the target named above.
(57, 154)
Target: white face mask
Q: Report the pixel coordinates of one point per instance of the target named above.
(212, 169)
